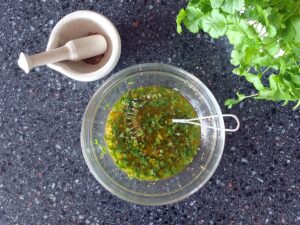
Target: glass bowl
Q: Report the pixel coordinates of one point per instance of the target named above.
(165, 191)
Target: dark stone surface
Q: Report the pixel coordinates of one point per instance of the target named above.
(43, 177)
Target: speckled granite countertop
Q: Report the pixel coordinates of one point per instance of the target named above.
(43, 176)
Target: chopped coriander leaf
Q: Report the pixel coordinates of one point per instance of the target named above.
(106, 107)
(130, 82)
(101, 147)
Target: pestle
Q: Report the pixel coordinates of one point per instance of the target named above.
(73, 50)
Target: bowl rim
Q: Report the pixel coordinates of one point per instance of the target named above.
(154, 66)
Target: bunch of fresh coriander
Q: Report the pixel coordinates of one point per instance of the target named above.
(265, 35)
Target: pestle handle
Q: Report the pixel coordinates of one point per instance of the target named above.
(73, 50)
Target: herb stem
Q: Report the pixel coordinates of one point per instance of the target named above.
(291, 13)
(250, 96)
(276, 3)
(265, 70)
(297, 105)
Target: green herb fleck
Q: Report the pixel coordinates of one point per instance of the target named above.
(101, 147)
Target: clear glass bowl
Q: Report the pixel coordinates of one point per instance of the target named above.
(166, 191)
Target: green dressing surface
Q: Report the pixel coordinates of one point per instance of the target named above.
(141, 137)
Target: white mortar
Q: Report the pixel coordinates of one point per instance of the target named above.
(79, 24)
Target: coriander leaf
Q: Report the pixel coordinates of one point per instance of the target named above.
(273, 48)
(265, 60)
(296, 51)
(264, 34)
(295, 22)
(296, 79)
(215, 4)
(239, 70)
(265, 94)
(236, 57)
(231, 6)
(215, 24)
(255, 80)
(262, 15)
(195, 3)
(230, 102)
(251, 56)
(241, 34)
(271, 30)
(193, 19)
(181, 15)
(273, 80)
(235, 37)
(204, 5)
(277, 91)
(292, 33)
(275, 18)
